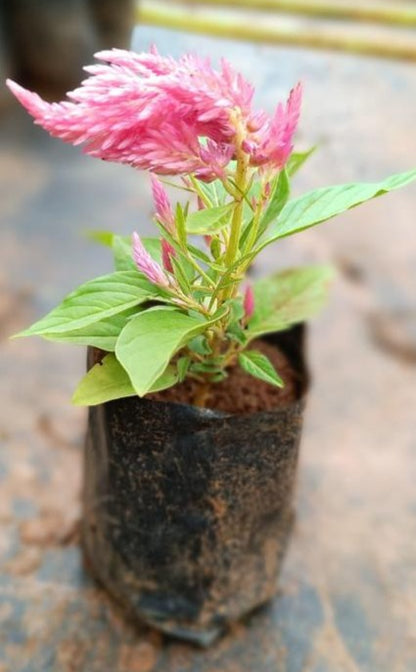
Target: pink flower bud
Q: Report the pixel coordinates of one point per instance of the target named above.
(248, 303)
(162, 205)
(208, 240)
(167, 253)
(146, 264)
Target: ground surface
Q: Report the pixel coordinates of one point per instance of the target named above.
(348, 589)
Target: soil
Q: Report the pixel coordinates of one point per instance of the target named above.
(240, 393)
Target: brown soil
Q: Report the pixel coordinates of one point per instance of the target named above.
(240, 393)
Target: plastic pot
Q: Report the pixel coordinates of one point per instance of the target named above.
(188, 511)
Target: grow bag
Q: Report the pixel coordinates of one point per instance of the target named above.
(188, 511)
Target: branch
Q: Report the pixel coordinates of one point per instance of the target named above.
(389, 14)
(314, 38)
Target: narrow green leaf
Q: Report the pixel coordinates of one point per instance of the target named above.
(183, 365)
(181, 275)
(149, 341)
(318, 206)
(94, 301)
(278, 200)
(208, 221)
(259, 366)
(297, 159)
(180, 221)
(199, 254)
(108, 380)
(102, 334)
(288, 298)
(102, 237)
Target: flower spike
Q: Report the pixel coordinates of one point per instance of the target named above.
(172, 117)
(162, 205)
(167, 253)
(146, 264)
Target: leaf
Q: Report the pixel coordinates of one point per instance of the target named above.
(214, 192)
(209, 220)
(149, 341)
(94, 301)
(102, 334)
(122, 253)
(180, 221)
(259, 366)
(278, 200)
(102, 237)
(122, 250)
(182, 366)
(108, 380)
(318, 206)
(104, 381)
(288, 298)
(297, 159)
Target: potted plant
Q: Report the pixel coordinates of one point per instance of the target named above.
(196, 378)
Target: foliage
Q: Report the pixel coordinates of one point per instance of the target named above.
(177, 304)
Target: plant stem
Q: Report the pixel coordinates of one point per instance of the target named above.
(232, 249)
(299, 36)
(203, 395)
(390, 14)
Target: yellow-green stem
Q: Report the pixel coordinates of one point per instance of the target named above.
(393, 13)
(299, 36)
(237, 218)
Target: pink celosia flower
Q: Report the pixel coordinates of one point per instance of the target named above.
(272, 143)
(248, 302)
(170, 117)
(146, 264)
(162, 205)
(167, 253)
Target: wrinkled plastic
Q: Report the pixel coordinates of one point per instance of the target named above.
(188, 511)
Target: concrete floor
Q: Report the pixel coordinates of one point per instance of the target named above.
(347, 597)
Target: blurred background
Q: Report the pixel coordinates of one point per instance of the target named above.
(348, 591)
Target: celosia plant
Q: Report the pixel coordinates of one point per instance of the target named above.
(178, 304)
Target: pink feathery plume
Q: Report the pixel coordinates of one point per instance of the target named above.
(167, 253)
(248, 302)
(172, 117)
(148, 111)
(162, 204)
(272, 144)
(146, 264)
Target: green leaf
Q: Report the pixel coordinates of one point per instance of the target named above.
(94, 301)
(288, 298)
(209, 220)
(259, 366)
(278, 200)
(200, 345)
(122, 252)
(102, 334)
(102, 237)
(318, 206)
(108, 380)
(123, 256)
(149, 341)
(181, 275)
(213, 192)
(104, 381)
(182, 366)
(180, 220)
(297, 159)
